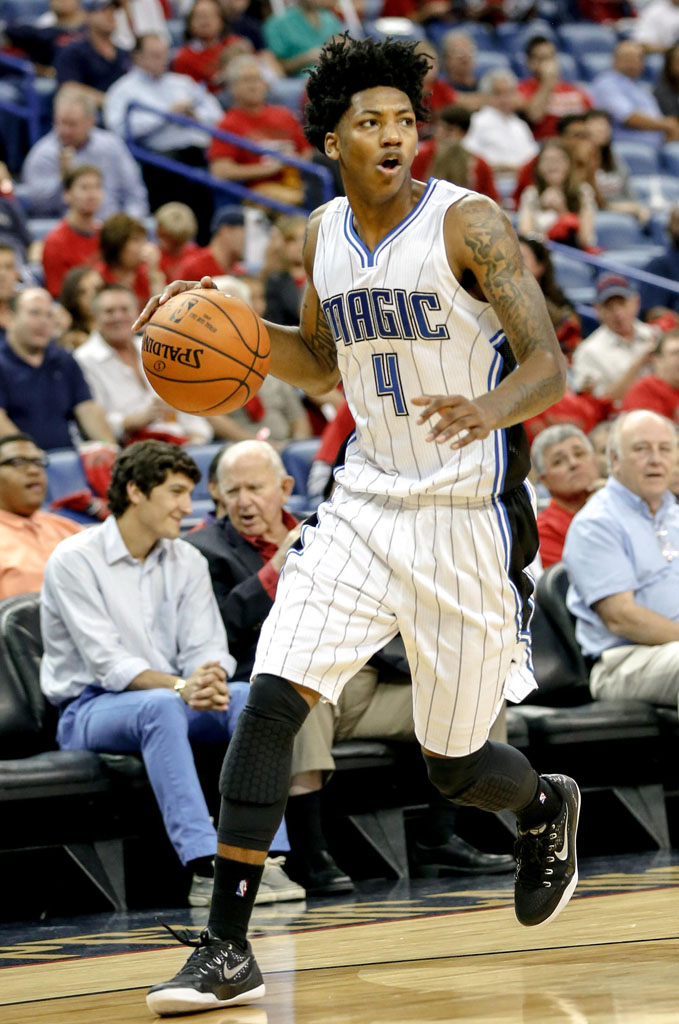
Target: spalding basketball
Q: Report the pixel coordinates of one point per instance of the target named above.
(205, 352)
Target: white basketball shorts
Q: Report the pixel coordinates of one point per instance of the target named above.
(450, 578)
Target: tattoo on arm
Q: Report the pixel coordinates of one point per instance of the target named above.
(316, 334)
(513, 293)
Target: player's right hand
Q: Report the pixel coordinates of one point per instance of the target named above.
(176, 288)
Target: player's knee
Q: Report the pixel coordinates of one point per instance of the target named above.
(493, 778)
(257, 764)
(453, 776)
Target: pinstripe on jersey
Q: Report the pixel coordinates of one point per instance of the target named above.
(404, 326)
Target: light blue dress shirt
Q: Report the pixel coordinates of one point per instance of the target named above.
(613, 545)
(162, 93)
(124, 188)
(106, 616)
(621, 95)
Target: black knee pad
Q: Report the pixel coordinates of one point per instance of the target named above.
(256, 768)
(494, 778)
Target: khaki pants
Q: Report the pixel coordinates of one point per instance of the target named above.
(367, 709)
(638, 672)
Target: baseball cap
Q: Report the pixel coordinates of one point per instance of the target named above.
(90, 6)
(233, 216)
(610, 285)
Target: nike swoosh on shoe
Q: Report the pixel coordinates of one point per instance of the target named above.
(233, 971)
(562, 854)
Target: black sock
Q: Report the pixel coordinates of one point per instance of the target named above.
(303, 821)
(236, 886)
(544, 807)
(202, 866)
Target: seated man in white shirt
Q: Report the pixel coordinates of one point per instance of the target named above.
(111, 362)
(136, 656)
(150, 82)
(496, 133)
(609, 361)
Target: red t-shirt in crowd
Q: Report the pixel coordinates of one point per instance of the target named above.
(442, 95)
(201, 263)
(65, 248)
(553, 523)
(141, 286)
(652, 393)
(564, 99)
(202, 62)
(269, 126)
(170, 262)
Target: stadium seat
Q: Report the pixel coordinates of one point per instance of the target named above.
(23, 10)
(669, 158)
(653, 65)
(288, 92)
(617, 230)
(65, 474)
(593, 64)
(297, 457)
(657, 227)
(658, 190)
(202, 455)
(40, 227)
(587, 37)
(640, 157)
(571, 272)
(636, 256)
(488, 60)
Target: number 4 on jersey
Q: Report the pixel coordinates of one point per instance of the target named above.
(388, 380)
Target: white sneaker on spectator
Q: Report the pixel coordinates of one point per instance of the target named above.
(275, 886)
(200, 893)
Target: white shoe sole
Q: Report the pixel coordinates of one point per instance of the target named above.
(170, 1001)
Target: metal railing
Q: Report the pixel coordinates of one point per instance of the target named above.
(232, 188)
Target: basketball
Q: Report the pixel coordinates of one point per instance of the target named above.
(205, 352)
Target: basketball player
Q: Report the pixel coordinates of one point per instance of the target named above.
(419, 301)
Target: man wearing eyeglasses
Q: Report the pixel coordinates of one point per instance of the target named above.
(622, 558)
(28, 536)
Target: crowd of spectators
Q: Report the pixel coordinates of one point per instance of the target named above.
(531, 130)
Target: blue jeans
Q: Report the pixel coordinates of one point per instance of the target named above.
(160, 726)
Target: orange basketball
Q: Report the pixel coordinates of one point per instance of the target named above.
(205, 352)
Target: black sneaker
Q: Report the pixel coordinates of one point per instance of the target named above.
(216, 974)
(547, 866)
(319, 874)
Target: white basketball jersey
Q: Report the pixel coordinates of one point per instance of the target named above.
(404, 327)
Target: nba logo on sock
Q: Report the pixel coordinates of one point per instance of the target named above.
(543, 796)
(242, 887)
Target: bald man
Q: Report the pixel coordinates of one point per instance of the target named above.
(627, 612)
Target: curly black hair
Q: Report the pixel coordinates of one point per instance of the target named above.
(348, 66)
(147, 464)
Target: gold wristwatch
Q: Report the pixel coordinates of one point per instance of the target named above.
(179, 686)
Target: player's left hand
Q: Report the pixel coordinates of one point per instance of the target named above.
(460, 418)
(172, 289)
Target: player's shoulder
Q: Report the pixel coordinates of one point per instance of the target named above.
(314, 225)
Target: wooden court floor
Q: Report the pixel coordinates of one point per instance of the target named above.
(451, 954)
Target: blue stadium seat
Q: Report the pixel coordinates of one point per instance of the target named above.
(653, 65)
(669, 158)
(202, 455)
(571, 272)
(288, 92)
(640, 157)
(656, 189)
(657, 227)
(40, 227)
(587, 37)
(23, 10)
(636, 256)
(65, 474)
(297, 457)
(592, 64)
(617, 230)
(488, 60)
